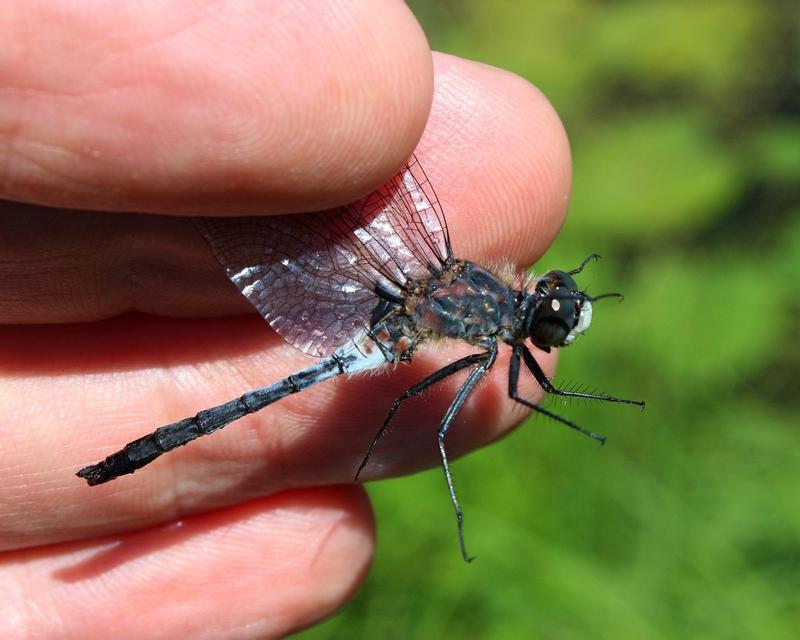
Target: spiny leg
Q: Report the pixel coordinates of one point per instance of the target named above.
(461, 397)
(513, 381)
(419, 387)
(543, 381)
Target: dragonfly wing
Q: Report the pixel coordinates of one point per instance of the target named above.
(315, 276)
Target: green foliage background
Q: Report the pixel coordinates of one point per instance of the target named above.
(685, 123)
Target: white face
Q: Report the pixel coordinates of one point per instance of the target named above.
(584, 320)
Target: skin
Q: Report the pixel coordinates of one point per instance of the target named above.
(197, 107)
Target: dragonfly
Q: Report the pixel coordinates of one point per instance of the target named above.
(363, 286)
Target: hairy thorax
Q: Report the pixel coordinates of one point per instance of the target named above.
(466, 302)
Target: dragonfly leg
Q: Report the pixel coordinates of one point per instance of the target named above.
(461, 397)
(418, 388)
(513, 381)
(541, 378)
(594, 256)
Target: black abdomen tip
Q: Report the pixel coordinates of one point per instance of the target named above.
(93, 474)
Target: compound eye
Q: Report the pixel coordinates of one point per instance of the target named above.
(553, 280)
(555, 317)
(567, 281)
(549, 332)
(565, 309)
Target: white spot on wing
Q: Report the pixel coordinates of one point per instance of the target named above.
(244, 274)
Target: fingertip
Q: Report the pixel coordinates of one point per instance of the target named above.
(344, 554)
(272, 565)
(500, 158)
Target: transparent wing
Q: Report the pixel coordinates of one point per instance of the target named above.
(314, 276)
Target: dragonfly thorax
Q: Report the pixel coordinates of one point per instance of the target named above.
(473, 305)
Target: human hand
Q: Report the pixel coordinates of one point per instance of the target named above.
(219, 108)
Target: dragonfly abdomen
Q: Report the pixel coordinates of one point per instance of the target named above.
(144, 450)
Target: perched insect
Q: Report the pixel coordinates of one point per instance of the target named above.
(364, 285)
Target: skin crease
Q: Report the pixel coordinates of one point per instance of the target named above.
(181, 108)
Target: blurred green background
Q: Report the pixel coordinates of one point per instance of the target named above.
(685, 123)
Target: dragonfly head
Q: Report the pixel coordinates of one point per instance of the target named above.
(557, 312)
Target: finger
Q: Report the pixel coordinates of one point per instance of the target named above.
(494, 149)
(207, 106)
(260, 569)
(151, 372)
